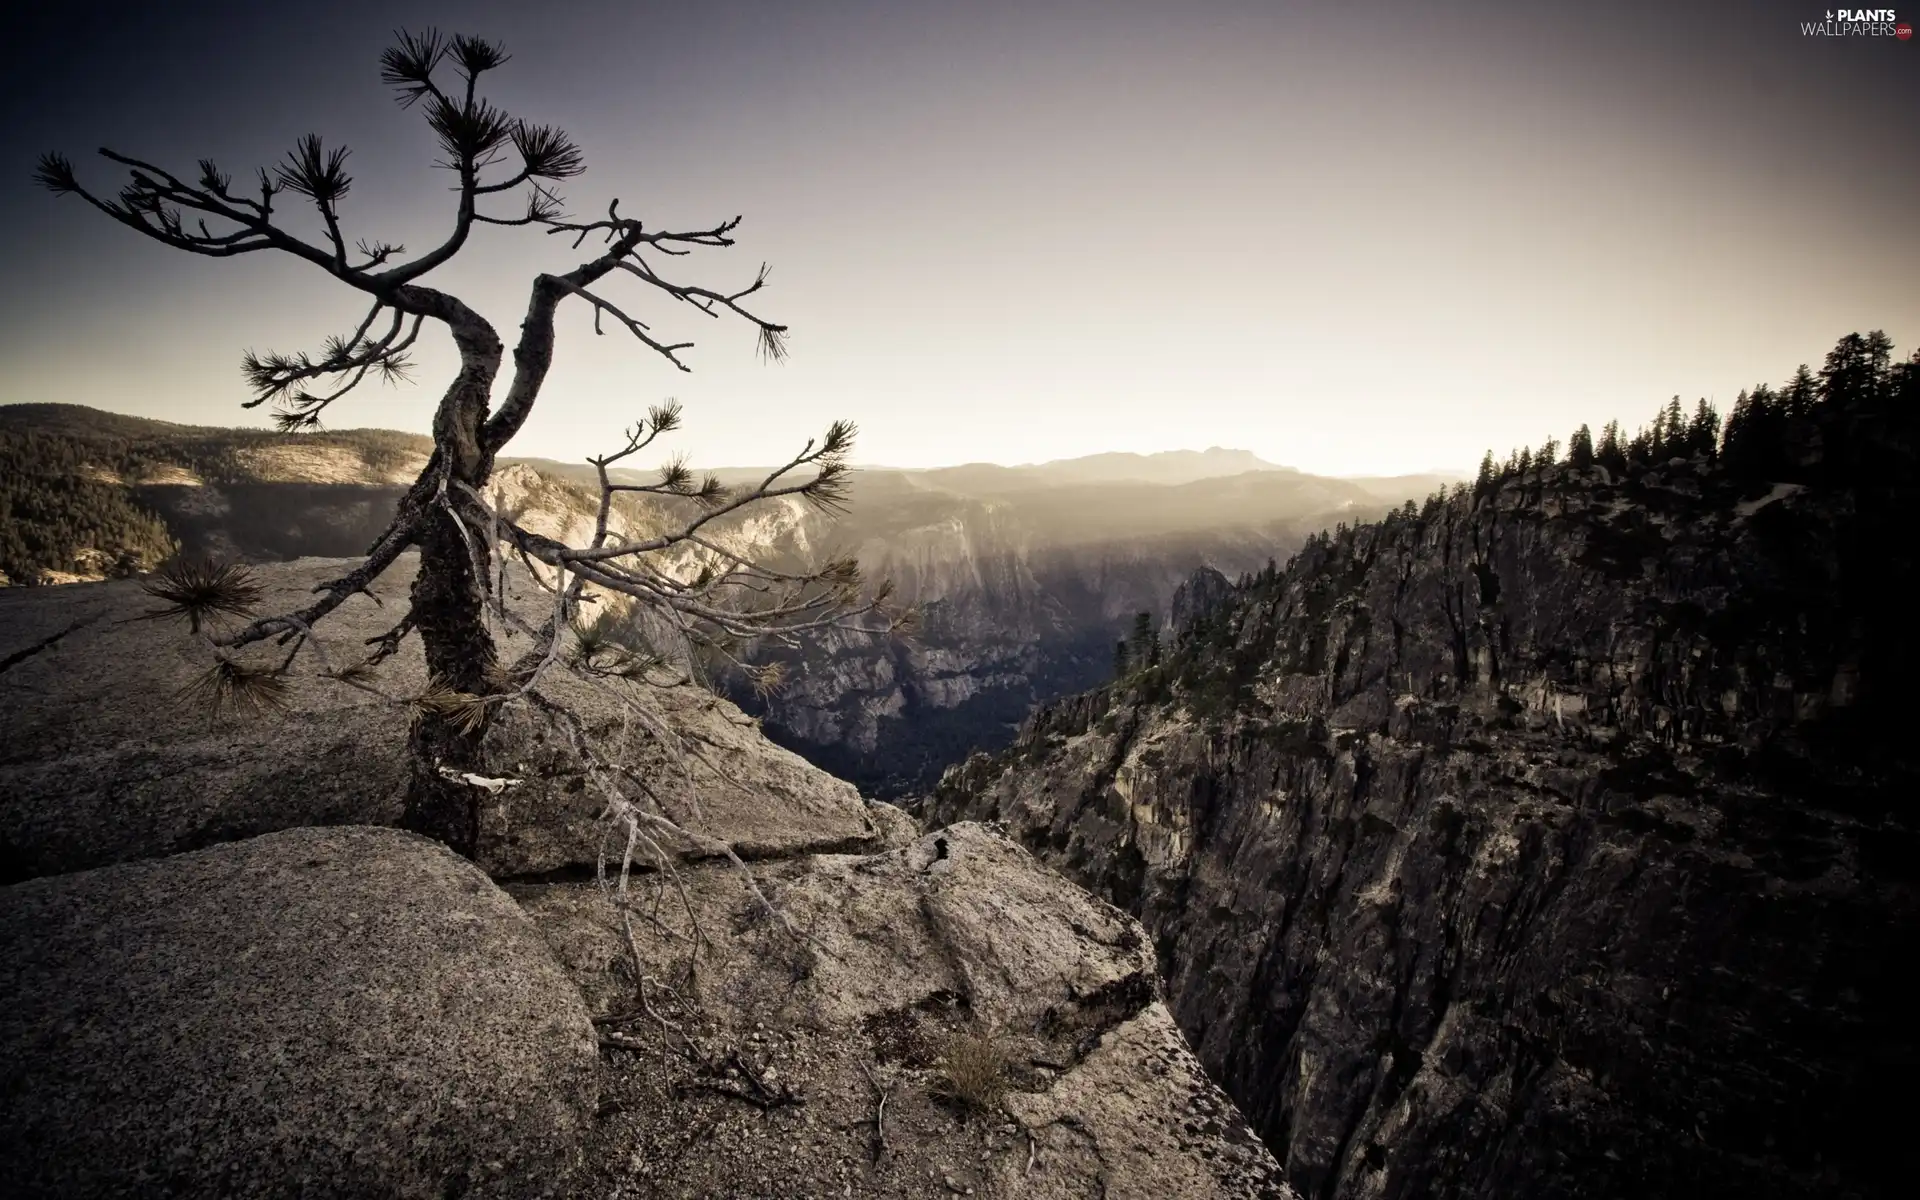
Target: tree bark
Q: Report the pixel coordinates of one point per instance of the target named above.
(447, 611)
(450, 594)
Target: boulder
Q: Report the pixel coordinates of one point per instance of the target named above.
(725, 784)
(105, 761)
(317, 1012)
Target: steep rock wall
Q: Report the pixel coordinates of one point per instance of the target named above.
(1553, 841)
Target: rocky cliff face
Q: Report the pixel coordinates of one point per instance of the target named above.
(1022, 589)
(1554, 841)
(1002, 628)
(1201, 595)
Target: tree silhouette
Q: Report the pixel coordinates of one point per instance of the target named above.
(1802, 392)
(1644, 447)
(1610, 453)
(1483, 481)
(1580, 448)
(1673, 428)
(493, 157)
(1703, 430)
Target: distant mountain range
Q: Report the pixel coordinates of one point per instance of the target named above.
(1024, 575)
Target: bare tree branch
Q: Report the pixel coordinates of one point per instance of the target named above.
(703, 593)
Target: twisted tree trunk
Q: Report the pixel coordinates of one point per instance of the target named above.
(450, 594)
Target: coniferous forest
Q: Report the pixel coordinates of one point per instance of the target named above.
(70, 482)
(53, 517)
(1599, 765)
(1847, 436)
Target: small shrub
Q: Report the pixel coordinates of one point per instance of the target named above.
(973, 1071)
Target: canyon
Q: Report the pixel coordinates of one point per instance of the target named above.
(1022, 576)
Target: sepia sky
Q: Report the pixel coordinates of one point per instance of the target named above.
(1350, 237)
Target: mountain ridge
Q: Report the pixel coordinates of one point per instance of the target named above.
(1551, 838)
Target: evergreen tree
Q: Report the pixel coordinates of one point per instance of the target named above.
(1673, 428)
(1802, 391)
(1742, 412)
(1903, 379)
(1611, 454)
(1879, 362)
(1857, 369)
(1645, 446)
(1753, 439)
(1703, 430)
(1120, 659)
(1483, 482)
(1580, 448)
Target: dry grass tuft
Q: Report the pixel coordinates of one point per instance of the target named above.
(360, 673)
(973, 1069)
(767, 679)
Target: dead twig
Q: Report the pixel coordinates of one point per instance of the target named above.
(879, 1118)
(757, 1092)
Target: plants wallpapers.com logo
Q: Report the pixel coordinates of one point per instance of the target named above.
(1858, 22)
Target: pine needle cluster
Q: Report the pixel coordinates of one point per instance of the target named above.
(201, 589)
(228, 685)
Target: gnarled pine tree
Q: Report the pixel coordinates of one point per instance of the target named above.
(494, 157)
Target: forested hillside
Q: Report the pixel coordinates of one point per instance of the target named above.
(89, 494)
(56, 517)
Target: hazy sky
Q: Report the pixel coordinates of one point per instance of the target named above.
(1349, 237)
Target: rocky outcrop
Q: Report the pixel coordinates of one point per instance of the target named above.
(1550, 842)
(319, 1012)
(1198, 597)
(104, 760)
(851, 1008)
(804, 1040)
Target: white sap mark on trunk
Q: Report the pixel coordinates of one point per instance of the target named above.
(490, 786)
